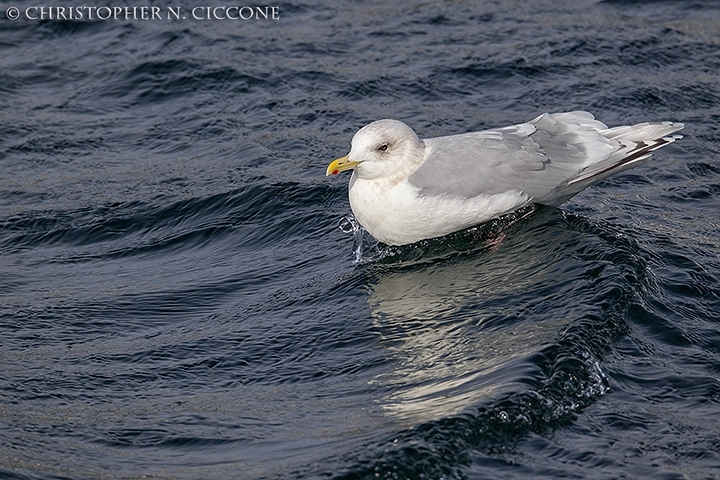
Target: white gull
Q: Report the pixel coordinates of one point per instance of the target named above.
(404, 189)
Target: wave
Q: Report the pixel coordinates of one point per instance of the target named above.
(472, 378)
(136, 227)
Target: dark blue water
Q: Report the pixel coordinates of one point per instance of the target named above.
(177, 300)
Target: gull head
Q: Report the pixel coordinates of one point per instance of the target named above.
(382, 149)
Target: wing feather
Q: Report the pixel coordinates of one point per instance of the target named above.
(536, 158)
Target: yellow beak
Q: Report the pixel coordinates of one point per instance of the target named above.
(340, 165)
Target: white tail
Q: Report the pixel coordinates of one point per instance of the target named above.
(637, 142)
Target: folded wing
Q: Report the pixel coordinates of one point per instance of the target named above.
(550, 158)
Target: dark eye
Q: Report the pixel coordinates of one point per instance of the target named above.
(382, 147)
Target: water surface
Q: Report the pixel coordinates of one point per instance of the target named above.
(177, 300)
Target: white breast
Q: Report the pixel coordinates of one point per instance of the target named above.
(398, 215)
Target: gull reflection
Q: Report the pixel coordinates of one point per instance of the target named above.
(463, 331)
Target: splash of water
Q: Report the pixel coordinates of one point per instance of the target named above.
(365, 248)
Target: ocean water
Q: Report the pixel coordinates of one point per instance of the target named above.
(183, 294)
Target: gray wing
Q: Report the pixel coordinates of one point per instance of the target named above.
(539, 158)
